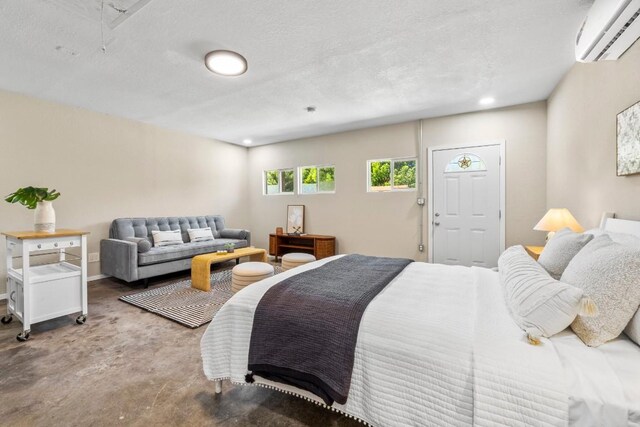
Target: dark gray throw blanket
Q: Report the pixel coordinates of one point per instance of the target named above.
(305, 328)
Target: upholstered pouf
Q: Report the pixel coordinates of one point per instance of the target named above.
(295, 259)
(249, 272)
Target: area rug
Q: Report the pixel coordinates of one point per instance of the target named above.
(183, 304)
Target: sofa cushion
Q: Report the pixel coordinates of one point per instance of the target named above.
(186, 250)
(122, 228)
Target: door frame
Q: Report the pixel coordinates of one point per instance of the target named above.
(503, 178)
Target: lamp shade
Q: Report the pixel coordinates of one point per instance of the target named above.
(557, 219)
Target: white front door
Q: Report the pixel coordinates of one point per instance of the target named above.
(466, 204)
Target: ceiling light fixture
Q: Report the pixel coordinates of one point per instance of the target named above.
(487, 100)
(247, 141)
(225, 63)
(311, 109)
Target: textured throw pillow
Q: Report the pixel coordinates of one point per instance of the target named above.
(200, 234)
(561, 249)
(144, 245)
(633, 328)
(166, 238)
(539, 304)
(610, 273)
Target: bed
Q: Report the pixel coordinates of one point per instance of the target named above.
(438, 347)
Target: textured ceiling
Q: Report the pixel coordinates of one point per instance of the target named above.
(360, 62)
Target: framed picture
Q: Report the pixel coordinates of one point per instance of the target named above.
(628, 141)
(295, 219)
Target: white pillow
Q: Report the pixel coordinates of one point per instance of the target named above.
(622, 238)
(166, 238)
(539, 304)
(561, 249)
(633, 328)
(610, 273)
(200, 234)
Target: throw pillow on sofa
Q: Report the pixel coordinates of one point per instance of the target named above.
(200, 234)
(166, 238)
(144, 245)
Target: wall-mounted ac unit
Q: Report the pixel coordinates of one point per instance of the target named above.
(611, 27)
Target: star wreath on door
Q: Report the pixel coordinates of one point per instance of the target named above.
(464, 162)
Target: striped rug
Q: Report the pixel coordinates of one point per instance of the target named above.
(183, 304)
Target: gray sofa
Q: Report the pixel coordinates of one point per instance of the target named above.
(129, 255)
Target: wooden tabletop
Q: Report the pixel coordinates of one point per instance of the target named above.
(302, 236)
(60, 232)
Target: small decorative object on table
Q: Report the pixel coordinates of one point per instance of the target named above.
(279, 231)
(39, 199)
(295, 220)
(628, 141)
(230, 247)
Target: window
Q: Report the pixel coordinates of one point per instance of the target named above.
(317, 179)
(465, 163)
(391, 175)
(279, 181)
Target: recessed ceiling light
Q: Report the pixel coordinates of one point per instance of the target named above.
(247, 141)
(487, 100)
(225, 63)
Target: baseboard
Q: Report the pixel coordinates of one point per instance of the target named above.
(3, 296)
(97, 277)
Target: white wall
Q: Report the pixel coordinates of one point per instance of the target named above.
(387, 223)
(581, 152)
(107, 167)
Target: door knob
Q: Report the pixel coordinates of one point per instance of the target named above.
(436, 223)
(437, 214)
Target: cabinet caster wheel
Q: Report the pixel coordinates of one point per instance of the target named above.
(81, 319)
(22, 337)
(6, 319)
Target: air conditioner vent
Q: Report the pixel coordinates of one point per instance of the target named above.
(617, 36)
(609, 30)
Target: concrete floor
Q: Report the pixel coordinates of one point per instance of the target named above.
(126, 366)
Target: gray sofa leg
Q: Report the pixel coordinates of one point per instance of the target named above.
(145, 282)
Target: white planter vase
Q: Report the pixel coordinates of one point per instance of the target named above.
(45, 218)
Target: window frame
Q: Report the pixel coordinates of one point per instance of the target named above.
(280, 182)
(317, 167)
(392, 161)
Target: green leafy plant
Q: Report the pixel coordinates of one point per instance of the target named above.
(30, 196)
(229, 247)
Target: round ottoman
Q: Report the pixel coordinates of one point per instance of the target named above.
(295, 259)
(249, 272)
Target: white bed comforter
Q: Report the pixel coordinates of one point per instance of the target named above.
(435, 347)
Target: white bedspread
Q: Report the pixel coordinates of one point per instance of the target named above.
(435, 347)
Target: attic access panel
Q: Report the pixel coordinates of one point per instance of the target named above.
(115, 11)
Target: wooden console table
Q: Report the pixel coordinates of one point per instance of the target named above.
(315, 244)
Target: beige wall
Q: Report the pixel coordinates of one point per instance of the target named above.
(581, 152)
(108, 167)
(387, 223)
(524, 127)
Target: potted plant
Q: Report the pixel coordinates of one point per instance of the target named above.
(39, 199)
(229, 247)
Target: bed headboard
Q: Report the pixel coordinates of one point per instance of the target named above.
(621, 226)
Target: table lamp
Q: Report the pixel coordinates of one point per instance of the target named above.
(557, 219)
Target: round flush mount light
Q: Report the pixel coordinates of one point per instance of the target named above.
(247, 141)
(488, 100)
(225, 63)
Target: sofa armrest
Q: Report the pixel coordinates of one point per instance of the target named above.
(236, 233)
(119, 258)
